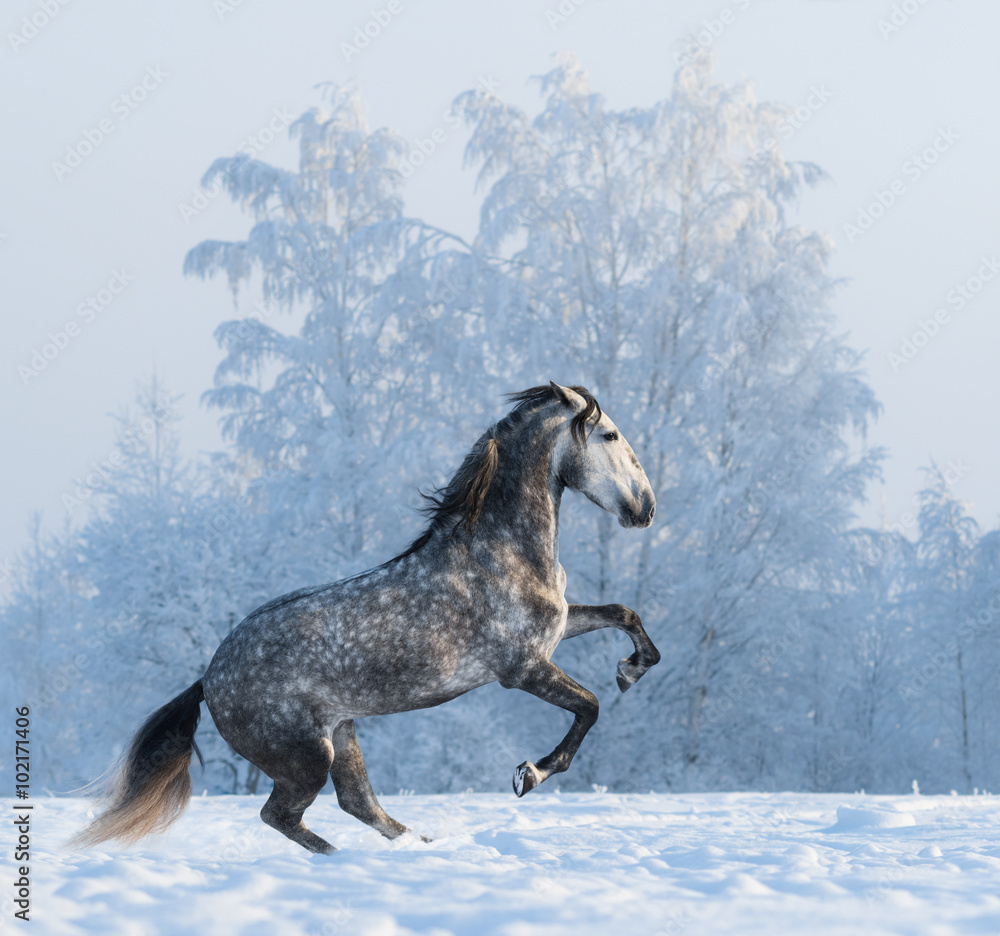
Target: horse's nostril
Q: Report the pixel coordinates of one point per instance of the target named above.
(652, 511)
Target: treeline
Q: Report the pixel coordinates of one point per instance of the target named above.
(645, 253)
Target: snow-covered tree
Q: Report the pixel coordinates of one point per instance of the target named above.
(333, 418)
(655, 263)
(944, 577)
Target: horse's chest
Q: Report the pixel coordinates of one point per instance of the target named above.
(557, 628)
(540, 617)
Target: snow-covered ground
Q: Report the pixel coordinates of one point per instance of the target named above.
(557, 864)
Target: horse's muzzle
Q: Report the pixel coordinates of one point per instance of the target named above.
(629, 517)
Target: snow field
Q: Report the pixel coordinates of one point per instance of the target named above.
(562, 864)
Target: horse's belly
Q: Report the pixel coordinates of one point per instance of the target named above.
(412, 675)
(271, 671)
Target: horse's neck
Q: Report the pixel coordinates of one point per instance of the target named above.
(522, 505)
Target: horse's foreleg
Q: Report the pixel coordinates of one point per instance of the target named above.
(545, 680)
(582, 619)
(354, 790)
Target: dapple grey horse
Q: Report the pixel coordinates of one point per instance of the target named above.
(478, 598)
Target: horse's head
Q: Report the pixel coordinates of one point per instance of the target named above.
(594, 459)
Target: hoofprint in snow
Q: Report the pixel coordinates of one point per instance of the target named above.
(559, 864)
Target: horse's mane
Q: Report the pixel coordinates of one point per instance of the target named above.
(460, 501)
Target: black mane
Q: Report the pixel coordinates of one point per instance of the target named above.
(460, 501)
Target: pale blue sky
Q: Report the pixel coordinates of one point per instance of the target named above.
(214, 78)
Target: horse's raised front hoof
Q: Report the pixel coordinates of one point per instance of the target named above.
(629, 672)
(526, 777)
(423, 838)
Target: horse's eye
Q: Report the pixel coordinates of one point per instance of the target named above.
(610, 436)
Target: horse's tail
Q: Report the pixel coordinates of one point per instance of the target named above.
(149, 786)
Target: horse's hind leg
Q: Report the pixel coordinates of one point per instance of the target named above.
(299, 775)
(354, 791)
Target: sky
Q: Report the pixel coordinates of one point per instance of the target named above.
(897, 104)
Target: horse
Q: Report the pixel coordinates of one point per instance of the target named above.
(479, 597)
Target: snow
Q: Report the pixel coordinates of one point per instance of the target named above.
(566, 864)
(646, 251)
(871, 817)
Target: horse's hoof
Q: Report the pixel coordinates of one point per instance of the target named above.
(526, 777)
(629, 673)
(423, 838)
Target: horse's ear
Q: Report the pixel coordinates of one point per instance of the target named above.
(566, 396)
(583, 405)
